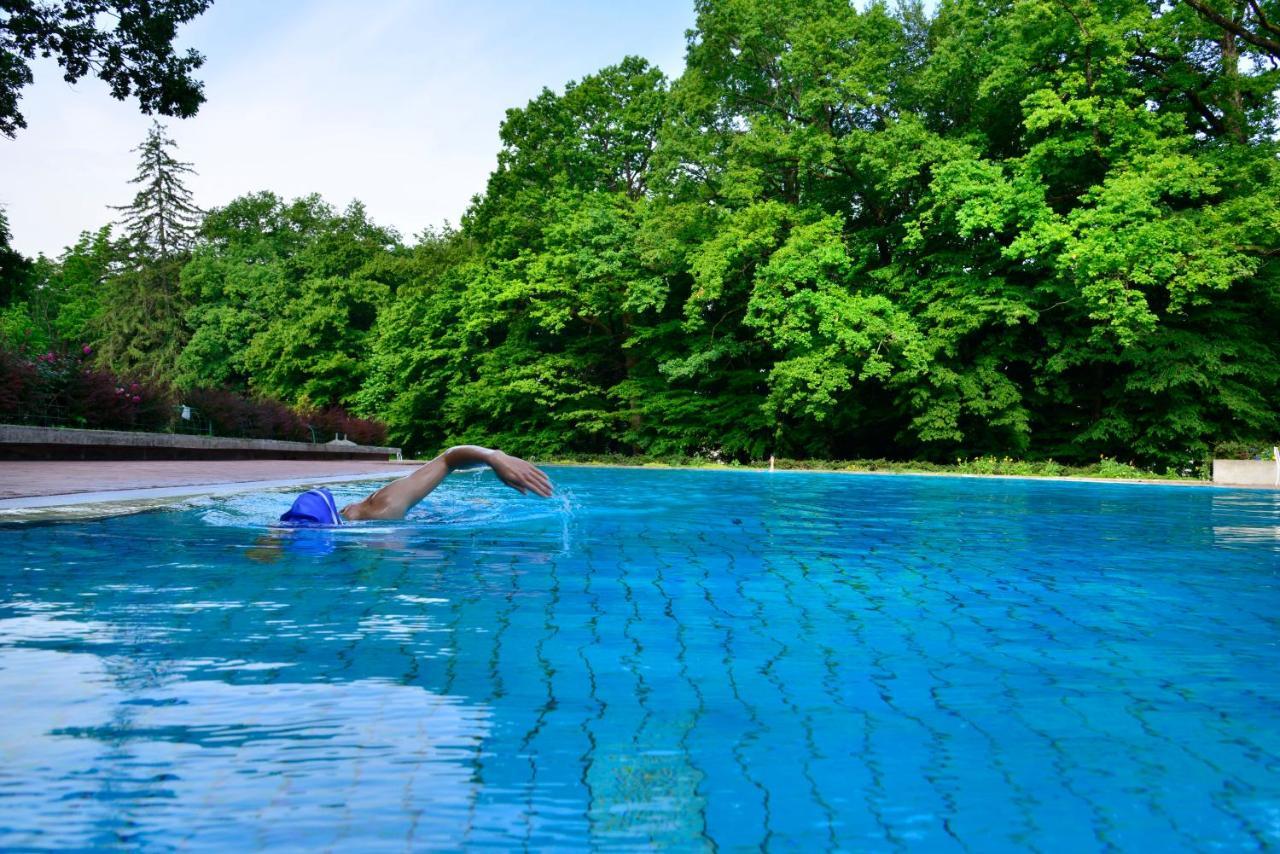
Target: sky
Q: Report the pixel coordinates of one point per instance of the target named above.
(396, 103)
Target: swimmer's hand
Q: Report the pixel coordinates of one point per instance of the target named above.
(519, 475)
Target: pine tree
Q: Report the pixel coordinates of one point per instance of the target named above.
(162, 220)
(141, 329)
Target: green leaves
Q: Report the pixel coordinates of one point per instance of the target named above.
(1048, 228)
(1140, 242)
(284, 298)
(135, 55)
(828, 335)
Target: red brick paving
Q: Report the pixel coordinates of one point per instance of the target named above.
(38, 478)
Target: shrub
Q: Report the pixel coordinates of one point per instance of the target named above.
(17, 385)
(1108, 467)
(335, 420)
(60, 388)
(271, 419)
(229, 414)
(1255, 450)
(264, 418)
(225, 412)
(103, 401)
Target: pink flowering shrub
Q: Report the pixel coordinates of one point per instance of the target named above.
(110, 403)
(62, 389)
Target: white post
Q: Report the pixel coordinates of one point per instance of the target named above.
(771, 462)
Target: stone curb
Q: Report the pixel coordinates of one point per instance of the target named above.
(25, 442)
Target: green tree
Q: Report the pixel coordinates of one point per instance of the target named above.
(140, 329)
(1131, 207)
(15, 269)
(283, 297)
(134, 57)
(1048, 228)
(1255, 23)
(161, 222)
(424, 346)
(69, 291)
(563, 284)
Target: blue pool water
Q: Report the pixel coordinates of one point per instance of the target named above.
(696, 660)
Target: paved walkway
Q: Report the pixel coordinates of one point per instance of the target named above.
(48, 478)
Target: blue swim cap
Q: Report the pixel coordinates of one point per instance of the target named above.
(313, 507)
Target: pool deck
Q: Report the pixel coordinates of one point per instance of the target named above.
(60, 489)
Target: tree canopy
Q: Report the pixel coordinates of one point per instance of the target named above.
(134, 56)
(1049, 228)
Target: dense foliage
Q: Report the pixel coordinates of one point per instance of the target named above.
(133, 54)
(64, 388)
(1046, 228)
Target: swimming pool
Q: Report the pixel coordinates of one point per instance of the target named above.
(689, 659)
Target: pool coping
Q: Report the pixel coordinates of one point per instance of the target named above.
(1132, 481)
(26, 441)
(120, 502)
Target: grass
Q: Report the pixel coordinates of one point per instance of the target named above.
(1105, 468)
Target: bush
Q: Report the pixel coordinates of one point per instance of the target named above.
(335, 420)
(1114, 468)
(979, 465)
(102, 401)
(271, 419)
(17, 386)
(1255, 450)
(61, 388)
(229, 414)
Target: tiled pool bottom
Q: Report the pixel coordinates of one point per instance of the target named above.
(670, 658)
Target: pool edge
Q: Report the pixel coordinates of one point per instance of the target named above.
(1131, 481)
(120, 502)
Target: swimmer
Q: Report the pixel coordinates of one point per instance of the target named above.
(316, 506)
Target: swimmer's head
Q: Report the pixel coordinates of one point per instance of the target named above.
(311, 508)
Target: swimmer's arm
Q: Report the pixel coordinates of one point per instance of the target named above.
(396, 498)
(468, 456)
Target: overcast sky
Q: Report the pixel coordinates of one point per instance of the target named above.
(394, 102)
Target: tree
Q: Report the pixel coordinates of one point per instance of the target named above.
(564, 283)
(15, 270)
(141, 326)
(1043, 227)
(282, 298)
(68, 292)
(133, 57)
(1256, 22)
(161, 221)
(423, 348)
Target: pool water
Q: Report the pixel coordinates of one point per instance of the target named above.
(687, 659)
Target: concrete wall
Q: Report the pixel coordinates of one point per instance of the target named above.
(56, 443)
(1245, 472)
